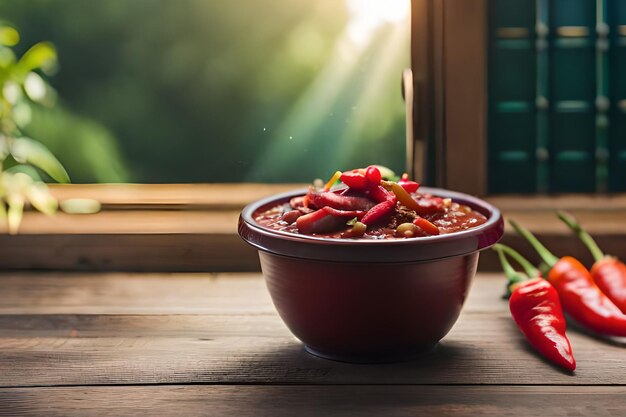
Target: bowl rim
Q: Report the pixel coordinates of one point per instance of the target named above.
(320, 248)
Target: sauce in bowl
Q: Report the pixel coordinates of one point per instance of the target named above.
(336, 213)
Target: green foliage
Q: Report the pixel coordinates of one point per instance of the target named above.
(197, 90)
(28, 151)
(23, 161)
(9, 36)
(19, 86)
(89, 150)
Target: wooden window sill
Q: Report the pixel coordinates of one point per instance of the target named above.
(194, 228)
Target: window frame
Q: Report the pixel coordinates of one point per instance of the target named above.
(448, 48)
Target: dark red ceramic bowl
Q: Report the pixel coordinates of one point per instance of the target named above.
(369, 300)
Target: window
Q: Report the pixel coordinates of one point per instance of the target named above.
(220, 91)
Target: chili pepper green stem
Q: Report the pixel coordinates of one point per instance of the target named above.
(582, 235)
(512, 275)
(530, 270)
(545, 254)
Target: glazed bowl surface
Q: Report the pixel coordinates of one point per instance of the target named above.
(364, 300)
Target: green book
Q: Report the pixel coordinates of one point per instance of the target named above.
(512, 80)
(557, 96)
(573, 93)
(617, 112)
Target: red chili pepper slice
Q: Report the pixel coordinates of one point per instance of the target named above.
(608, 273)
(344, 213)
(340, 202)
(362, 180)
(580, 296)
(408, 185)
(355, 180)
(536, 309)
(378, 212)
(379, 194)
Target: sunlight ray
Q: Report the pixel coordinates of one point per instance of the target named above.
(336, 82)
(383, 74)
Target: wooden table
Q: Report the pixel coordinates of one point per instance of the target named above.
(211, 344)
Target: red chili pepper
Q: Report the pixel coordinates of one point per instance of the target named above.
(386, 202)
(379, 194)
(580, 296)
(407, 184)
(607, 272)
(362, 179)
(377, 212)
(537, 311)
(344, 213)
(340, 202)
(355, 180)
(373, 175)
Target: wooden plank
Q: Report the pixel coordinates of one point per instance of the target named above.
(254, 349)
(609, 218)
(465, 90)
(134, 222)
(166, 234)
(117, 293)
(81, 331)
(426, 65)
(172, 196)
(201, 293)
(577, 202)
(128, 252)
(235, 196)
(372, 400)
(207, 241)
(422, 88)
(438, 79)
(600, 223)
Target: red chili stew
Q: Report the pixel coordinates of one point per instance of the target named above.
(361, 204)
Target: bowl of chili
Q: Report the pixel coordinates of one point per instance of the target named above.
(381, 297)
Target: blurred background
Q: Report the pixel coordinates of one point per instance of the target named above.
(219, 91)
